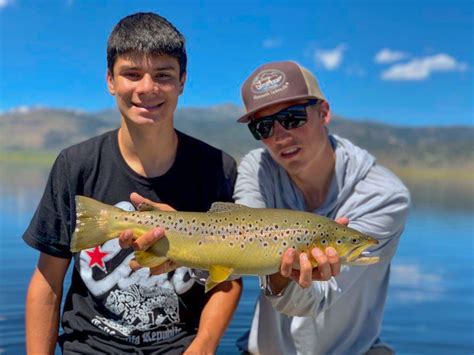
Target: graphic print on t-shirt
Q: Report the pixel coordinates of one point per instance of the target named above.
(145, 307)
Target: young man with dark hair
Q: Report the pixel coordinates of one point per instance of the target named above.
(109, 307)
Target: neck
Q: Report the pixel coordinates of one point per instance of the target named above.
(149, 151)
(315, 180)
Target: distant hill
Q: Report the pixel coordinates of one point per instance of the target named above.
(49, 130)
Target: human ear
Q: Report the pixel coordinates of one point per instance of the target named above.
(182, 81)
(110, 82)
(325, 112)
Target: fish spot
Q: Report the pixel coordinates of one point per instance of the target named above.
(275, 238)
(242, 246)
(324, 242)
(338, 242)
(265, 244)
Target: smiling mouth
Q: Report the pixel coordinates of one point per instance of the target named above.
(289, 152)
(148, 107)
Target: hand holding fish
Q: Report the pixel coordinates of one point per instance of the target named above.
(329, 265)
(126, 239)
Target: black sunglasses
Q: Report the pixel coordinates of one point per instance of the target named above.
(290, 118)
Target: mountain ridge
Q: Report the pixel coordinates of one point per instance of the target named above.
(51, 129)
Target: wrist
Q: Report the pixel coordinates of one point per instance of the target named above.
(274, 285)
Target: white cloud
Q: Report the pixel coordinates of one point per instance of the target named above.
(330, 59)
(5, 3)
(387, 55)
(270, 43)
(422, 68)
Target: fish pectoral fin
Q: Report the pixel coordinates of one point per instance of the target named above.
(365, 260)
(147, 259)
(217, 207)
(217, 274)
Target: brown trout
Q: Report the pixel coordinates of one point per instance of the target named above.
(228, 239)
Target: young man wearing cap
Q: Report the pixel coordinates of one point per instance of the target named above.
(110, 308)
(304, 168)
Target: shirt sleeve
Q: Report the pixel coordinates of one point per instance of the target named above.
(380, 213)
(51, 226)
(248, 188)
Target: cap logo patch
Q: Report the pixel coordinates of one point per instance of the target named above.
(267, 80)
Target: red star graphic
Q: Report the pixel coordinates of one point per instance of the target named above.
(97, 257)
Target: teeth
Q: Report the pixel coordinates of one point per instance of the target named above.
(148, 107)
(289, 151)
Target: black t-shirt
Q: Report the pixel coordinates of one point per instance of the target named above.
(108, 307)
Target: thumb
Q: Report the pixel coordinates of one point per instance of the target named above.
(343, 220)
(137, 200)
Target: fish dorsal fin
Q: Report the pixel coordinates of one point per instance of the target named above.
(217, 207)
(217, 274)
(144, 207)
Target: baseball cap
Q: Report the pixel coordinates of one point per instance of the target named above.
(277, 82)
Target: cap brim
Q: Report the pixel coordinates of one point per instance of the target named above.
(246, 118)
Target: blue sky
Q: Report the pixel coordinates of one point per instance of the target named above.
(399, 62)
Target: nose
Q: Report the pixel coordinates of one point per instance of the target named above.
(147, 85)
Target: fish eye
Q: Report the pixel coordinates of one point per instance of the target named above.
(355, 240)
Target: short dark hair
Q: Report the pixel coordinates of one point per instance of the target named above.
(149, 34)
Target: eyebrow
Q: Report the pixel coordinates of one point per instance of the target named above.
(135, 67)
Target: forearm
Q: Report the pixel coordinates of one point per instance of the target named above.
(42, 316)
(42, 304)
(216, 317)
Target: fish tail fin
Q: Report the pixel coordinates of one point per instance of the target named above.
(92, 224)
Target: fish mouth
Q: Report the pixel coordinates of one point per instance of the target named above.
(359, 253)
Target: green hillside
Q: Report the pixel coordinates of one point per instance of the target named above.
(38, 133)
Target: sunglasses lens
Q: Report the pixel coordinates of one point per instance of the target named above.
(261, 129)
(264, 128)
(292, 117)
(293, 122)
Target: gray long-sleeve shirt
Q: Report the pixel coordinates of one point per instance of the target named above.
(342, 315)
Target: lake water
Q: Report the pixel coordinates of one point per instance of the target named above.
(430, 306)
